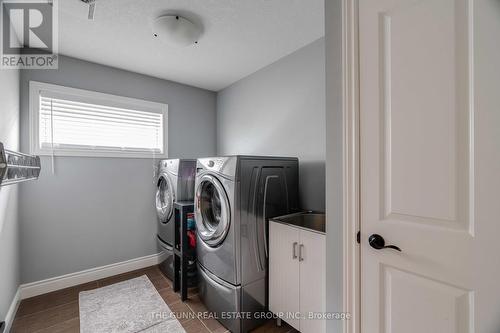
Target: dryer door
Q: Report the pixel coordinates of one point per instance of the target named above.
(165, 198)
(212, 211)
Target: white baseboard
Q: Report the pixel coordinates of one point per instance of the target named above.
(11, 313)
(69, 280)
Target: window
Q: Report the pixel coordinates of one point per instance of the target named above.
(73, 122)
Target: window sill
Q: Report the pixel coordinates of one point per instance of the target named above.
(101, 154)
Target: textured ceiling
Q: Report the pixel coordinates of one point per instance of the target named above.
(240, 36)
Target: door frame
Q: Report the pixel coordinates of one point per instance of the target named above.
(351, 166)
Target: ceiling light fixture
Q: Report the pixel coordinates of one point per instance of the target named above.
(176, 30)
(91, 4)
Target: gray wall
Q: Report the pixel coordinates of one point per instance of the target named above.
(280, 110)
(98, 211)
(9, 226)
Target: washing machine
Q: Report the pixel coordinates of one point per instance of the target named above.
(235, 196)
(175, 182)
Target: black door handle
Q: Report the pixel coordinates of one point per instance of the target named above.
(378, 243)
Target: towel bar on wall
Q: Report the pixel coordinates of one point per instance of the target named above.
(17, 167)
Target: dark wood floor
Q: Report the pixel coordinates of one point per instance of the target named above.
(58, 311)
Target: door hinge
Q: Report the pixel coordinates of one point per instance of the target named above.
(358, 237)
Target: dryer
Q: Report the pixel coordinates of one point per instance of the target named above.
(175, 182)
(235, 196)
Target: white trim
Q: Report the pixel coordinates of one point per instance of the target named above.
(11, 313)
(69, 280)
(36, 87)
(351, 163)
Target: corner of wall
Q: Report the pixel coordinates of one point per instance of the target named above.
(334, 159)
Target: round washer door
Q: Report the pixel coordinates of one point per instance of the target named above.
(212, 211)
(164, 199)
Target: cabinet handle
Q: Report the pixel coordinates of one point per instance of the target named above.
(300, 252)
(294, 250)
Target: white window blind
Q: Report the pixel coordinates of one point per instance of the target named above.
(94, 125)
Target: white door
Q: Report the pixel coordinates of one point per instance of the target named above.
(312, 281)
(430, 165)
(284, 271)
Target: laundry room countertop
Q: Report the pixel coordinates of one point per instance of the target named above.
(305, 220)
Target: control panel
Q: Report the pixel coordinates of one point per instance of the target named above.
(222, 165)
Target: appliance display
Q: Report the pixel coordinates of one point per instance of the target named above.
(235, 197)
(175, 182)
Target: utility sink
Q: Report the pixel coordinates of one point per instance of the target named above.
(304, 220)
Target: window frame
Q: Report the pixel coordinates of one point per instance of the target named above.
(35, 88)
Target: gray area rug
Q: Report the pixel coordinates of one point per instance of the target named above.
(126, 307)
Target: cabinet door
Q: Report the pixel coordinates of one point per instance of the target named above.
(283, 271)
(312, 281)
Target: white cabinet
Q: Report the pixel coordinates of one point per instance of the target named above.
(312, 280)
(284, 270)
(297, 276)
